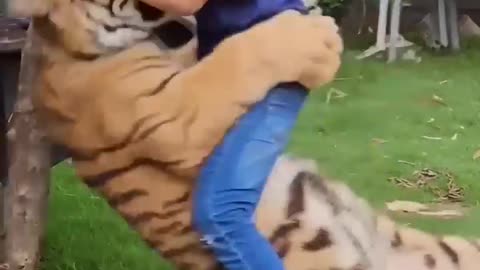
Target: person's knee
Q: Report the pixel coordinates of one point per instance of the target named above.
(216, 221)
(206, 221)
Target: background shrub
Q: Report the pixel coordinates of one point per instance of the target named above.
(334, 8)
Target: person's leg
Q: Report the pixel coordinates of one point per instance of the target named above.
(231, 183)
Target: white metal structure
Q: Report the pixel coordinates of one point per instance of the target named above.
(444, 17)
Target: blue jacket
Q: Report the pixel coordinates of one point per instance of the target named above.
(219, 19)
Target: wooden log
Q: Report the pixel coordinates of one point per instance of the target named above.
(12, 38)
(29, 168)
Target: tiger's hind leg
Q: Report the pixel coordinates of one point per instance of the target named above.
(327, 228)
(356, 222)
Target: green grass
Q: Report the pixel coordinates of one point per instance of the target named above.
(394, 103)
(390, 102)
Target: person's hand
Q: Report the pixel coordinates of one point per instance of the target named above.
(295, 47)
(177, 7)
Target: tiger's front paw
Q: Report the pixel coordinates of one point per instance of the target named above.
(300, 48)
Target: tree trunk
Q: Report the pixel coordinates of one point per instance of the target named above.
(28, 186)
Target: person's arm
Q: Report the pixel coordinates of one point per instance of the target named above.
(179, 7)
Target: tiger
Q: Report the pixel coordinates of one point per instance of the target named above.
(103, 76)
(139, 120)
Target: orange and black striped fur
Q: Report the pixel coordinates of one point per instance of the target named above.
(140, 120)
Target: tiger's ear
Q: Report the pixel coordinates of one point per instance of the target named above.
(28, 8)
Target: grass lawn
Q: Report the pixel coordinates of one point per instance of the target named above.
(389, 103)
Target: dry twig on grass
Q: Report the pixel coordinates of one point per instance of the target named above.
(441, 184)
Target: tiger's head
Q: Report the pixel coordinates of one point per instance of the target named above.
(95, 27)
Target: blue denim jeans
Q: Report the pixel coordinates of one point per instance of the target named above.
(231, 183)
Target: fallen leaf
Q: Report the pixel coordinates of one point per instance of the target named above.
(406, 162)
(439, 100)
(439, 211)
(406, 206)
(442, 213)
(432, 138)
(443, 82)
(334, 93)
(349, 78)
(379, 141)
(476, 155)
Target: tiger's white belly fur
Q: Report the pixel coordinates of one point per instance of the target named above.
(334, 229)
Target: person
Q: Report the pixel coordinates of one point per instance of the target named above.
(231, 182)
